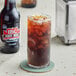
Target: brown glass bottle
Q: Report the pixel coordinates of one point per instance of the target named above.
(28, 3)
(10, 27)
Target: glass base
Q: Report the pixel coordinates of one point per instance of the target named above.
(43, 66)
(27, 68)
(28, 5)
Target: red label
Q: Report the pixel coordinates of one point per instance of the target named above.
(11, 33)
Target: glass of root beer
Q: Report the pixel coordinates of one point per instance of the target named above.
(39, 37)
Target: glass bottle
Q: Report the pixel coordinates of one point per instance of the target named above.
(10, 27)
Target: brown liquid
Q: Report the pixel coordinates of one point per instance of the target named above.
(28, 1)
(38, 43)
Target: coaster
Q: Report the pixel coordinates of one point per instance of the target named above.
(25, 67)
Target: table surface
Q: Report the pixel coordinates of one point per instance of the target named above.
(63, 56)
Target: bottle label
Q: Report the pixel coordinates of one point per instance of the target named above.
(11, 34)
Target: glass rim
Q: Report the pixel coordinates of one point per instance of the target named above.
(48, 17)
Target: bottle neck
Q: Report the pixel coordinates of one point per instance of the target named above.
(9, 4)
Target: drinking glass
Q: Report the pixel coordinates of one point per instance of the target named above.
(39, 37)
